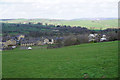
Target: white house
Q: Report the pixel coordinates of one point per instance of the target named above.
(97, 37)
(104, 36)
(92, 37)
(103, 39)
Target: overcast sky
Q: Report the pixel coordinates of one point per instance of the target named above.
(58, 9)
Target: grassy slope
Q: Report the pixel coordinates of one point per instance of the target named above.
(97, 59)
(84, 23)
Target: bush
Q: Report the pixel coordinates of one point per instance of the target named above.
(112, 36)
(75, 39)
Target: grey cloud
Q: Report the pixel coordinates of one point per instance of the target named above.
(63, 9)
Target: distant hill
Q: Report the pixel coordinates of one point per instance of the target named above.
(94, 19)
(91, 23)
(6, 19)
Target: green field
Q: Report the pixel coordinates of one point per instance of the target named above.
(91, 24)
(93, 59)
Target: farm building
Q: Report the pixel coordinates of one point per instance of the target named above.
(96, 37)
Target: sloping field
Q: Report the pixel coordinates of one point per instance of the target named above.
(93, 60)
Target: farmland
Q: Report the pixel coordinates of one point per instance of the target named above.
(93, 60)
(90, 24)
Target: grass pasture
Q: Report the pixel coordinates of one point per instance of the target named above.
(94, 60)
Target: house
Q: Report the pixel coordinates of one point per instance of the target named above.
(91, 37)
(48, 41)
(37, 41)
(97, 38)
(27, 43)
(8, 45)
(94, 37)
(32, 42)
(10, 42)
(103, 38)
(19, 37)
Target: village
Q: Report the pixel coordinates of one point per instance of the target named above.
(9, 43)
(20, 40)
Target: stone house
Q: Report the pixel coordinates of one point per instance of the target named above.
(7, 44)
(27, 43)
(11, 42)
(19, 37)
